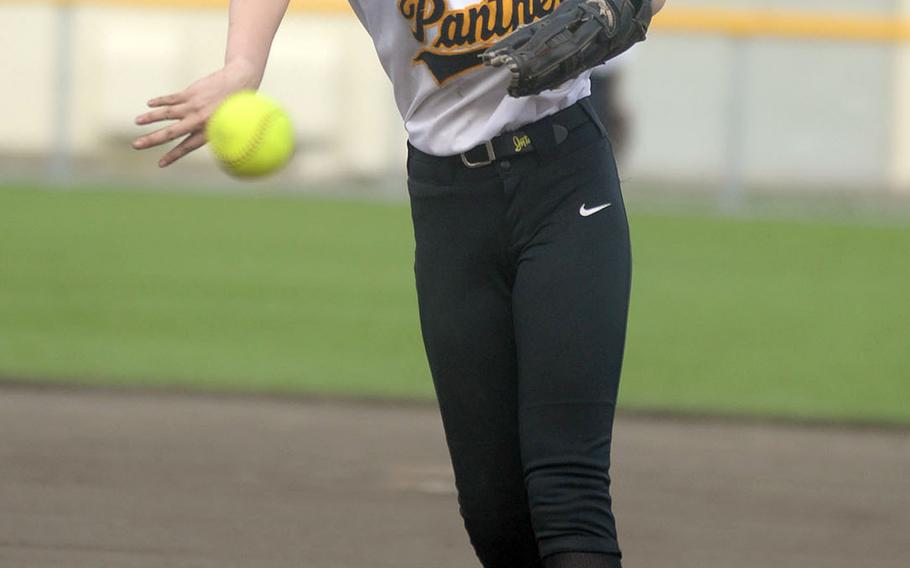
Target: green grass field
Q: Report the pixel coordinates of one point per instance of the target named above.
(283, 294)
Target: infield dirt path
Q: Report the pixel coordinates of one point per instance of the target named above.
(99, 480)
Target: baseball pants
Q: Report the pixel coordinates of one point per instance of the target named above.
(523, 273)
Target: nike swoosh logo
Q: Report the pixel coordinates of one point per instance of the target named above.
(585, 212)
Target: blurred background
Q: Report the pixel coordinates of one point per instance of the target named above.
(734, 95)
(765, 152)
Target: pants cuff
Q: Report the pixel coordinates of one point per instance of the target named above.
(563, 544)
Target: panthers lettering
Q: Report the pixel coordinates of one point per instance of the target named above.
(449, 100)
(455, 39)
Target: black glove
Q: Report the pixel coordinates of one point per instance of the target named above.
(578, 35)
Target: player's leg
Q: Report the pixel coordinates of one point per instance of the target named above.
(466, 320)
(571, 303)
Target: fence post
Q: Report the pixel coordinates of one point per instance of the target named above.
(732, 196)
(61, 157)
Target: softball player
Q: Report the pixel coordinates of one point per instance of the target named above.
(522, 259)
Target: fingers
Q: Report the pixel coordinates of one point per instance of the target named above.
(169, 112)
(168, 107)
(503, 51)
(499, 59)
(188, 124)
(172, 99)
(192, 142)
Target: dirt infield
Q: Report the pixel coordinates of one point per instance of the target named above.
(94, 479)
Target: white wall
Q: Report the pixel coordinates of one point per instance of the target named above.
(810, 113)
(27, 61)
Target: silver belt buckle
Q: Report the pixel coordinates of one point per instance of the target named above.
(491, 157)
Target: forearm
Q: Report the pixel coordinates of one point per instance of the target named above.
(252, 26)
(656, 5)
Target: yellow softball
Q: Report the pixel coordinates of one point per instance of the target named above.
(250, 135)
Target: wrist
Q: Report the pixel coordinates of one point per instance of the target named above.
(248, 73)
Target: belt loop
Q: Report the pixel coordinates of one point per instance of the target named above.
(543, 137)
(588, 107)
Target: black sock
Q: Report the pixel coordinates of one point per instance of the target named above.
(582, 560)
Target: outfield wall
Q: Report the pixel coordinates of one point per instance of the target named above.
(712, 99)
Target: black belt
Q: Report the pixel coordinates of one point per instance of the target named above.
(547, 132)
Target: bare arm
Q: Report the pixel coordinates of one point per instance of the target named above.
(251, 27)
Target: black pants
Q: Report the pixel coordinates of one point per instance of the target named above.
(523, 307)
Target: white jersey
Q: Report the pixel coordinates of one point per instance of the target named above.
(430, 50)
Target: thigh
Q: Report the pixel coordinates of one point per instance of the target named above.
(571, 294)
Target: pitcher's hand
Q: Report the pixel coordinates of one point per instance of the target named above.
(191, 109)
